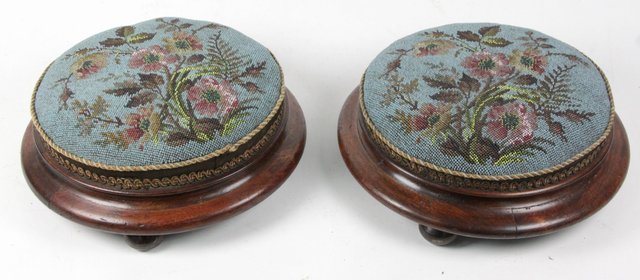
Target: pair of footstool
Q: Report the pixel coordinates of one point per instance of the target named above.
(479, 130)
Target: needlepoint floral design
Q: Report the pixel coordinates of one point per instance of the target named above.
(182, 42)
(89, 64)
(433, 47)
(513, 123)
(211, 97)
(491, 106)
(432, 119)
(181, 82)
(152, 59)
(529, 60)
(144, 124)
(483, 64)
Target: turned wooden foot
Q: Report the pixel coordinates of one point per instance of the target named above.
(143, 243)
(435, 236)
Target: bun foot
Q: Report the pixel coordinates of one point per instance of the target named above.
(143, 243)
(436, 237)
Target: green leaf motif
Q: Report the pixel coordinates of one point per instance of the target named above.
(225, 58)
(99, 107)
(513, 157)
(140, 37)
(233, 123)
(496, 42)
(87, 114)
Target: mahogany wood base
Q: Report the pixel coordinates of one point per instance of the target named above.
(443, 214)
(144, 220)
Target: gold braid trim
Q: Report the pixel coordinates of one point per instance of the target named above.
(389, 146)
(124, 168)
(518, 185)
(130, 183)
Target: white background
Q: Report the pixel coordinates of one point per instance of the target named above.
(320, 224)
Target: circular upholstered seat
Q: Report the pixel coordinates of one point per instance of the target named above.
(486, 101)
(162, 94)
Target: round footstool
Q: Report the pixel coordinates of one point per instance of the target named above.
(161, 127)
(484, 130)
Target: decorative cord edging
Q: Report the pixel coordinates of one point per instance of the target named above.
(129, 183)
(518, 185)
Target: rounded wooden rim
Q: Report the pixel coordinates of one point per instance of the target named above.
(487, 217)
(160, 215)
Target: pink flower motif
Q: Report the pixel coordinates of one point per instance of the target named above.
(484, 64)
(151, 59)
(143, 123)
(182, 42)
(433, 47)
(134, 133)
(432, 118)
(514, 122)
(529, 61)
(210, 97)
(89, 64)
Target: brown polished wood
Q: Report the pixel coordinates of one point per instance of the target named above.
(442, 213)
(143, 220)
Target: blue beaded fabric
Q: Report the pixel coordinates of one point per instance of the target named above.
(158, 94)
(486, 101)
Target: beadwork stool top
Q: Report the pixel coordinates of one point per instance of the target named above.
(486, 101)
(160, 94)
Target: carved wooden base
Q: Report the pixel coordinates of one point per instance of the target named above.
(144, 219)
(443, 214)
